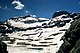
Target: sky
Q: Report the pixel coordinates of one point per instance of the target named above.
(40, 8)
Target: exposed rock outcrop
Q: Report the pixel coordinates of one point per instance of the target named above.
(3, 47)
(71, 39)
(58, 13)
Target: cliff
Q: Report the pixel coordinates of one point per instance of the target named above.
(71, 38)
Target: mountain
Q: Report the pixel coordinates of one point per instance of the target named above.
(71, 38)
(40, 35)
(58, 13)
(26, 21)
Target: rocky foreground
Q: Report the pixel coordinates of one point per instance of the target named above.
(39, 35)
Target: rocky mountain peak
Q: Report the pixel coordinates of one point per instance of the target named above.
(44, 35)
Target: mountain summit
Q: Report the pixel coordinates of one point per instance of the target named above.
(38, 35)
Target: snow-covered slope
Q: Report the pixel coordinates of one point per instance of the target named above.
(26, 22)
(41, 35)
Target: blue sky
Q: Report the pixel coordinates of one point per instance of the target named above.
(40, 8)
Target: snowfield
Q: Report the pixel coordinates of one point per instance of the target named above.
(42, 39)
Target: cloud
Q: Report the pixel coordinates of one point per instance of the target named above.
(27, 12)
(34, 16)
(18, 4)
(0, 6)
(5, 7)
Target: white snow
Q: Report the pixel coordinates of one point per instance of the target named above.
(36, 36)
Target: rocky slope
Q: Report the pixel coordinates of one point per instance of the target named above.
(27, 34)
(71, 38)
(3, 47)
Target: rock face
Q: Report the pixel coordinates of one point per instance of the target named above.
(71, 39)
(3, 47)
(58, 13)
